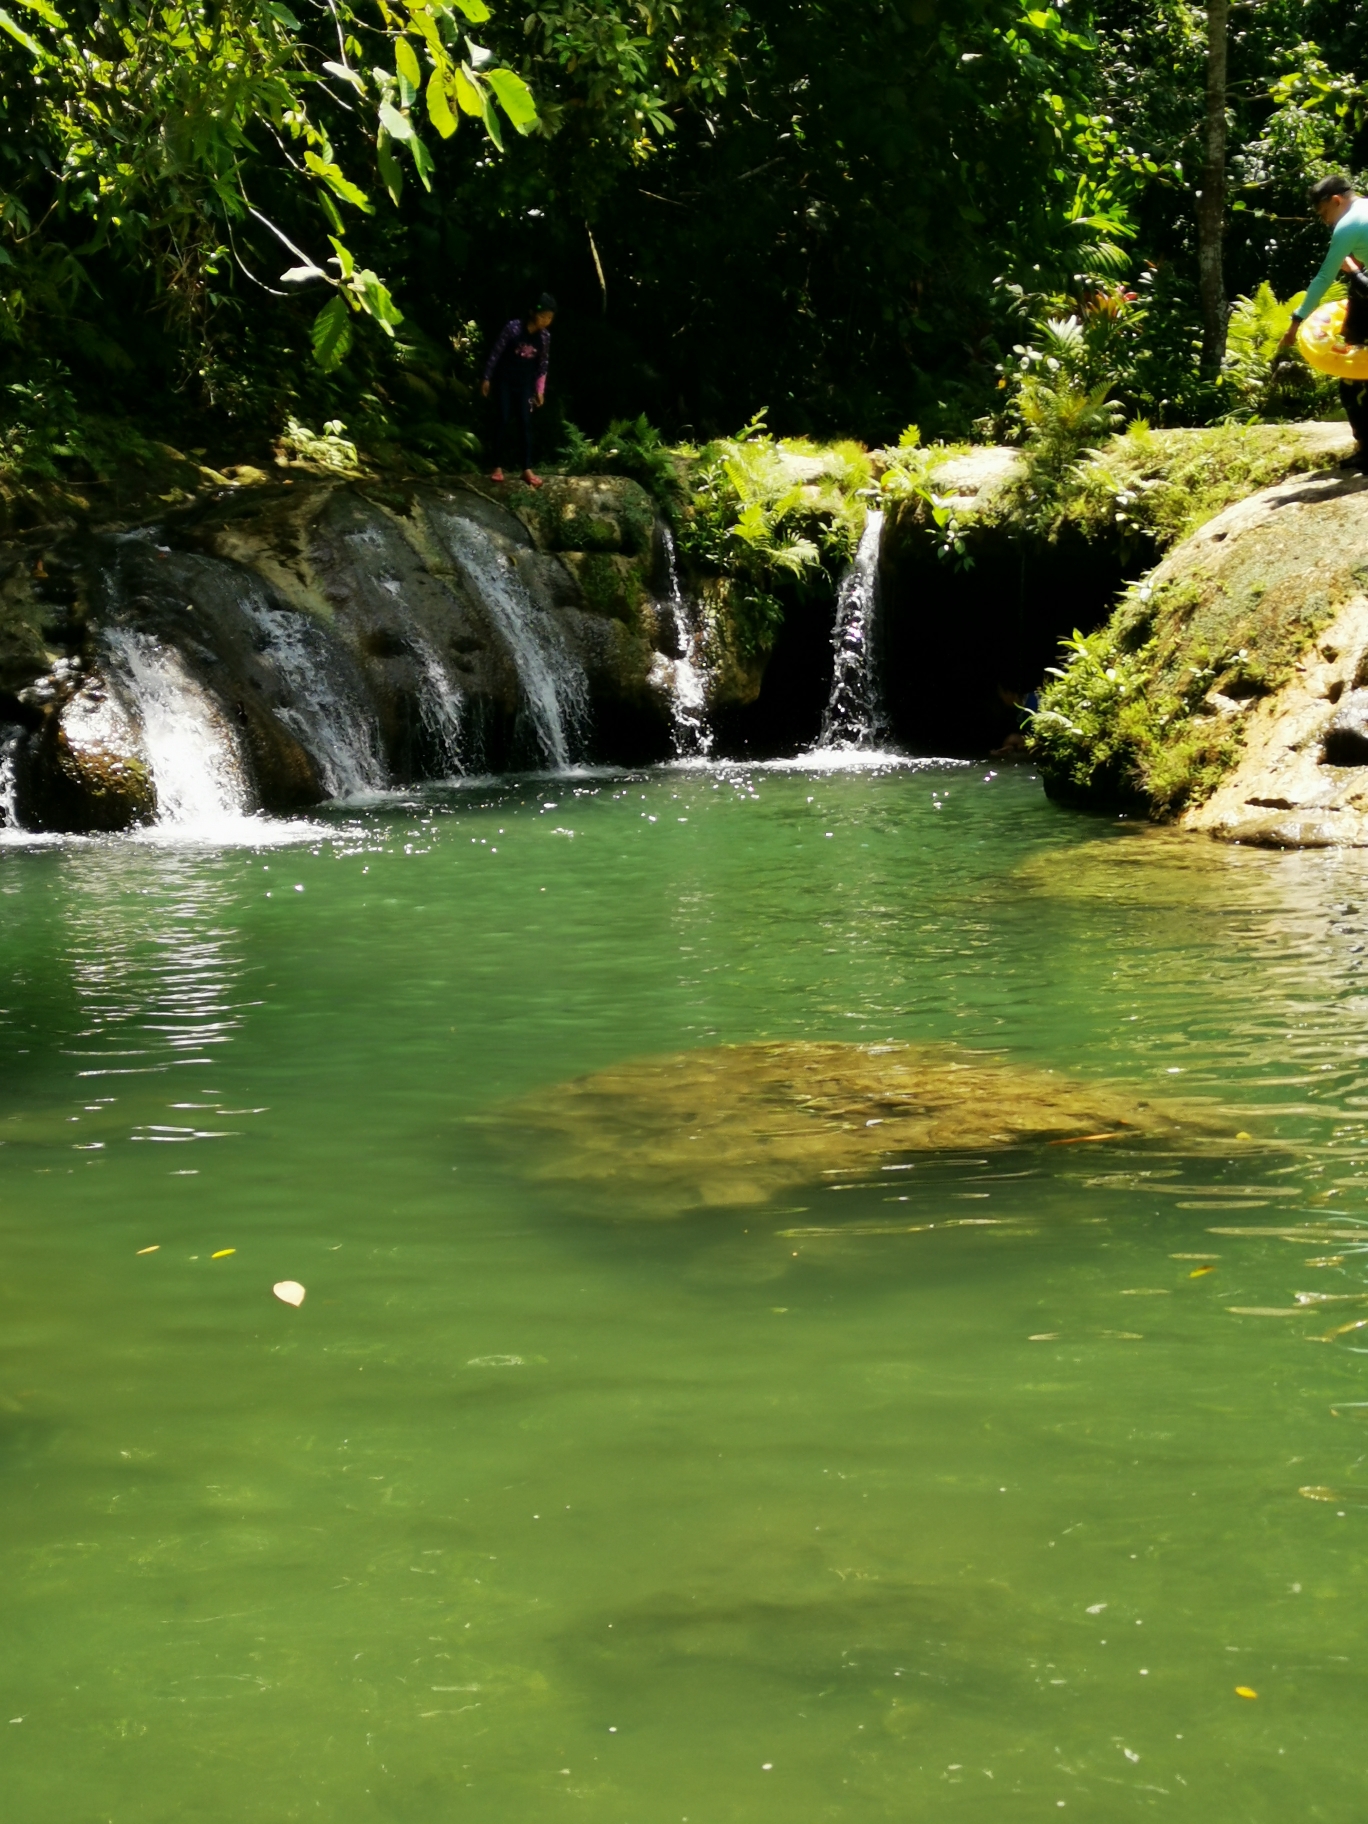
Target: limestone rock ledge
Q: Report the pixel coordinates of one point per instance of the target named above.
(1301, 777)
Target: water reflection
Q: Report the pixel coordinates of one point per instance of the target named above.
(155, 961)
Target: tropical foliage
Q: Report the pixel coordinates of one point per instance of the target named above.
(217, 215)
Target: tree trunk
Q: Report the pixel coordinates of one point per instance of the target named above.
(1211, 202)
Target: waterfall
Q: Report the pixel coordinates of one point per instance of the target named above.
(554, 688)
(189, 744)
(687, 685)
(440, 708)
(325, 712)
(854, 715)
(9, 787)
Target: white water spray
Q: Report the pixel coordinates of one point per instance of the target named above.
(686, 684)
(854, 714)
(9, 788)
(190, 747)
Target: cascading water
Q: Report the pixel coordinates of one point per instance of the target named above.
(854, 714)
(552, 682)
(440, 708)
(190, 747)
(687, 685)
(9, 806)
(325, 711)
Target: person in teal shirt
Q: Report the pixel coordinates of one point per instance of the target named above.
(1346, 214)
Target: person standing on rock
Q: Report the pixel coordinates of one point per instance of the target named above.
(516, 371)
(1346, 214)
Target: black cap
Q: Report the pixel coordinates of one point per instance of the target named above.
(545, 302)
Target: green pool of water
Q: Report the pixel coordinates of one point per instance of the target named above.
(939, 1492)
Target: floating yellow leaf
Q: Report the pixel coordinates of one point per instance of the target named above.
(223, 1254)
(1242, 1135)
(152, 1250)
(1245, 1691)
(1197, 1272)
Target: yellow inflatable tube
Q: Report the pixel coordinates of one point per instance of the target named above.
(1322, 344)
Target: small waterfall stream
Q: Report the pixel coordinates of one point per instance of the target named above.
(9, 803)
(553, 685)
(190, 747)
(687, 685)
(325, 712)
(854, 714)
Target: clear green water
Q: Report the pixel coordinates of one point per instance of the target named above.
(754, 1527)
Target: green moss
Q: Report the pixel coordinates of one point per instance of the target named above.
(1142, 713)
(611, 584)
(1156, 488)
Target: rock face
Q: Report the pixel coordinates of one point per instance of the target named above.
(1300, 552)
(329, 637)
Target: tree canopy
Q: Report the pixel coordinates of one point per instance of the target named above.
(855, 216)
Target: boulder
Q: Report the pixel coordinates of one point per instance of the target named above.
(1345, 742)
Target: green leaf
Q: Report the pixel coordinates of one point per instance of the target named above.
(282, 15)
(332, 334)
(394, 123)
(491, 121)
(48, 14)
(438, 106)
(339, 184)
(20, 36)
(475, 10)
(406, 63)
(515, 98)
(344, 258)
(377, 302)
(422, 161)
(391, 176)
(469, 97)
(345, 73)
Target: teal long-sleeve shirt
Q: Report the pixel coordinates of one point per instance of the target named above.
(1350, 238)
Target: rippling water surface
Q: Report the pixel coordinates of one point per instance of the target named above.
(966, 1486)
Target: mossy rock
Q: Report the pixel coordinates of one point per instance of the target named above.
(1152, 707)
(610, 583)
(588, 513)
(739, 1125)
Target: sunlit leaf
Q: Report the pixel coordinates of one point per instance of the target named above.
(394, 123)
(475, 10)
(468, 97)
(406, 62)
(332, 334)
(20, 36)
(334, 178)
(439, 107)
(515, 98)
(301, 275)
(48, 14)
(377, 302)
(345, 73)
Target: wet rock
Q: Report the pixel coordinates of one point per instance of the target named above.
(84, 768)
(1346, 738)
(737, 1125)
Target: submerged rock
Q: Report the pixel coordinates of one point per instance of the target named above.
(738, 1124)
